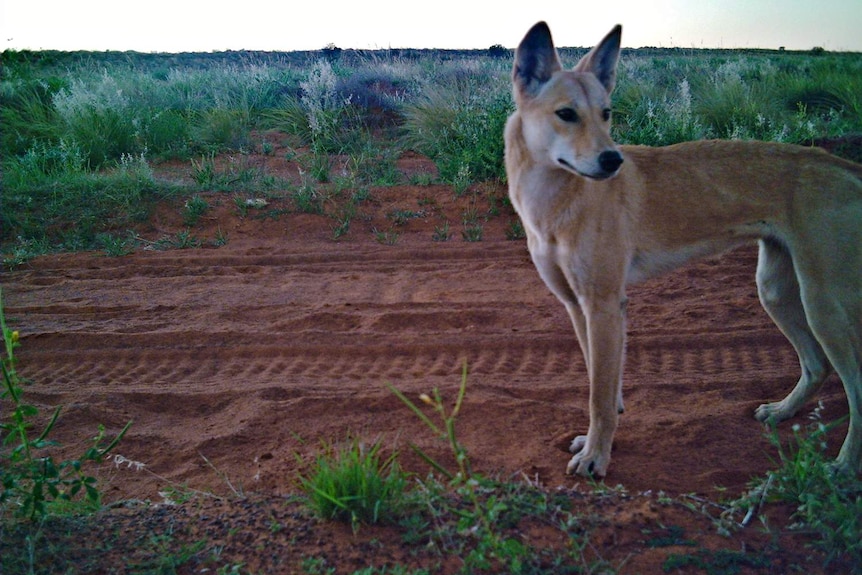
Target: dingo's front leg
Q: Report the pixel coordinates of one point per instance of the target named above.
(606, 328)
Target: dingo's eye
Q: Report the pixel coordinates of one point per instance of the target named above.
(606, 114)
(567, 115)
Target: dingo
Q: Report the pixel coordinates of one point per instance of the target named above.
(599, 216)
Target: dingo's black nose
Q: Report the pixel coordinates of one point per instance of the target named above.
(610, 161)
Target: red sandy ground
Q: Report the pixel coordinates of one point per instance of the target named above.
(236, 362)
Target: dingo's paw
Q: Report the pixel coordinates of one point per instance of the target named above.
(843, 468)
(587, 462)
(849, 460)
(578, 444)
(774, 412)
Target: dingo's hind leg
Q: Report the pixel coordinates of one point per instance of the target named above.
(778, 289)
(831, 291)
(838, 326)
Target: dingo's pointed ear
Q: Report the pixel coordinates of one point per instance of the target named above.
(602, 60)
(536, 60)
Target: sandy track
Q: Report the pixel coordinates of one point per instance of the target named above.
(249, 354)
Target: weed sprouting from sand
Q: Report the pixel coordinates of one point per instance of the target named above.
(445, 430)
(827, 501)
(485, 510)
(32, 480)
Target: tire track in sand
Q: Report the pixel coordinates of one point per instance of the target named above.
(362, 315)
(235, 348)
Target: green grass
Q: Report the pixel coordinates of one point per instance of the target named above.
(827, 503)
(826, 507)
(477, 517)
(194, 208)
(51, 199)
(458, 121)
(356, 484)
(791, 98)
(79, 130)
(452, 511)
(720, 562)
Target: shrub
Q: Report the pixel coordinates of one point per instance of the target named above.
(49, 196)
(102, 135)
(323, 116)
(643, 115)
(194, 208)
(166, 133)
(221, 129)
(460, 126)
(375, 94)
(100, 118)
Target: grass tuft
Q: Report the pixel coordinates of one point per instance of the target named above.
(827, 503)
(355, 484)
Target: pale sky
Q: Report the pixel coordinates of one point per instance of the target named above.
(285, 25)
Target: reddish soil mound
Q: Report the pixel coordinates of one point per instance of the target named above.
(233, 361)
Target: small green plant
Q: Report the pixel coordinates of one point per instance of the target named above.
(243, 205)
(461, 180)
(827, 503)
(356, 484)
(321, 165)
(472, 232)
(720, 562)
(221, 238)
(491, 508)
(194, 208)
(515, 230)
(471, 214)
(182, 240)
(31, 479)
(162, 553)
(116, 245)
(272, 214)
(204, 171)
(23, 251)
(307, 198)
(394, 570)
(402, 217)
(316, 566)
(185, 240)
(422, 179)
(386, 237)
(360, 195)
(342, 221)
(445, 431)
(441, 233)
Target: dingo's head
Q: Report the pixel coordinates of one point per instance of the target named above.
(566, 114)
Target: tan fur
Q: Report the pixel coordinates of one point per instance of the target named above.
(598, 217)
